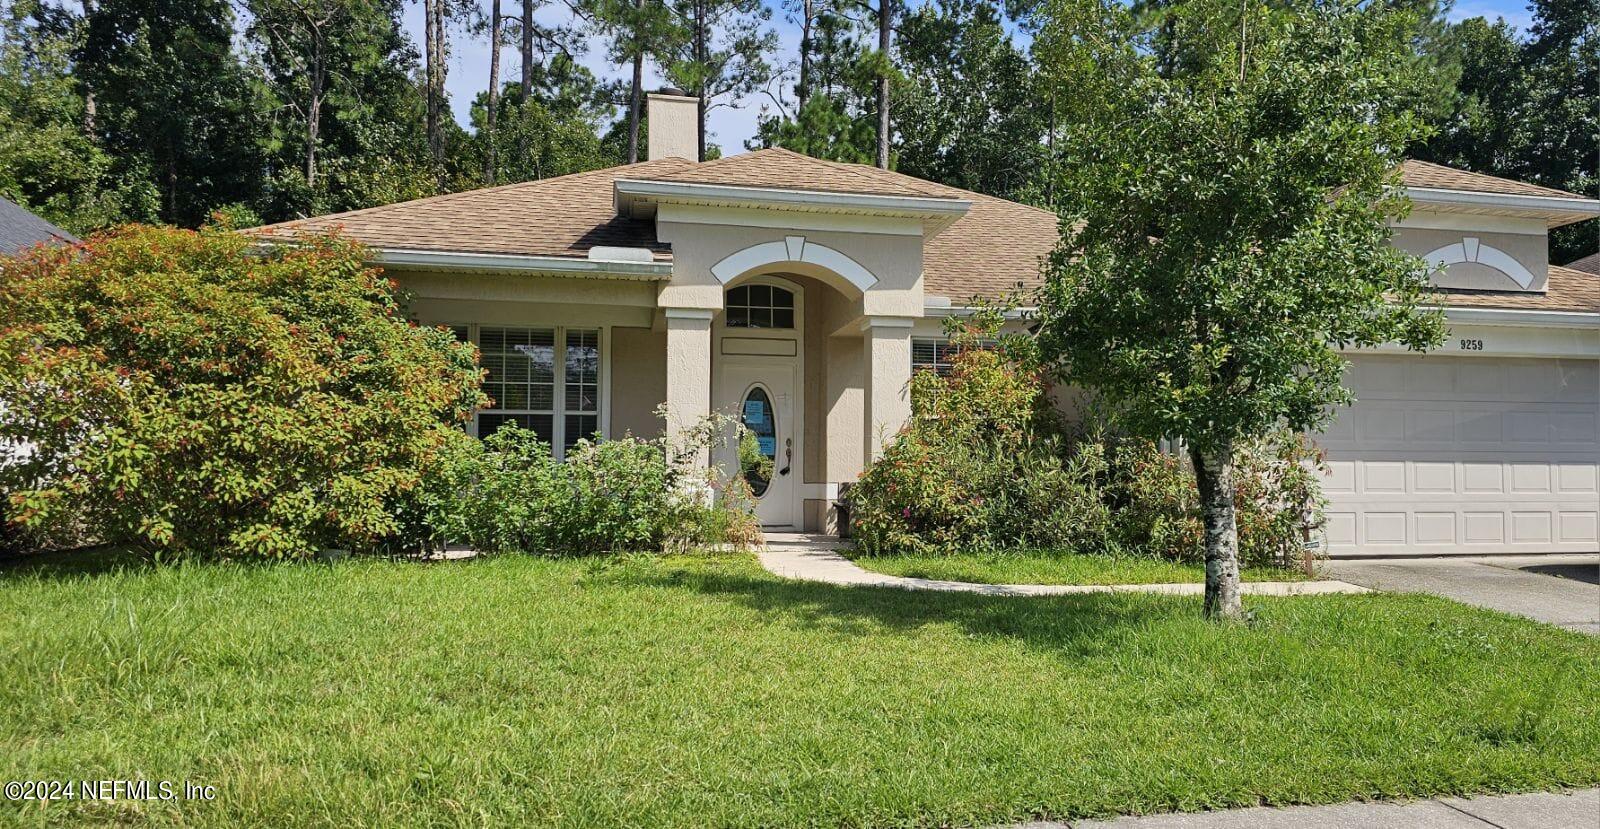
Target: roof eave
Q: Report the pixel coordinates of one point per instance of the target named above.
(936, 213)
(515, 263)
(1556, 210)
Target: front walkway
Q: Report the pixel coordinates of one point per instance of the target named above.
(816, 558)
(1545, 810)
(1558, 589)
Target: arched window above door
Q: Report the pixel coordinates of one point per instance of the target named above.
(760, 306)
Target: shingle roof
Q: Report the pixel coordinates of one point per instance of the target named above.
(20, 229)
(1566, 290)
(1437, 176)
(562, 216)
(1588, 264)
(786, 169)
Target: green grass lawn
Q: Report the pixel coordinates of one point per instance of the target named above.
(1053, 567)
(704, 692)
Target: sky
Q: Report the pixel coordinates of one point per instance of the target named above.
(731, 126)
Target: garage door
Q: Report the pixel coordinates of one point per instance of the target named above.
(1459, 455)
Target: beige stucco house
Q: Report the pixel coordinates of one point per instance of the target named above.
(801, 294)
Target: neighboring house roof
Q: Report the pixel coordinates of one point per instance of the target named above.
(1566, 290)
(1588, 264)
(20, 230)
(994, 249)
(1439, 177)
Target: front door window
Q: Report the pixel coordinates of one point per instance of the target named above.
(758, 442)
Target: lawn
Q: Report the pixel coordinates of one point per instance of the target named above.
(704, 692)
(1054, 567)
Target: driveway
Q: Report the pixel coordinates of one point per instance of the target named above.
(1562, 590)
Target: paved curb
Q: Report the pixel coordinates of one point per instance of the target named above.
(1541, 810)
(815, 558)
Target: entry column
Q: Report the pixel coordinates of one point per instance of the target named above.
(688, 370)
(887, 377)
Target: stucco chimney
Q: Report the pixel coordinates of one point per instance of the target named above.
(674, 124)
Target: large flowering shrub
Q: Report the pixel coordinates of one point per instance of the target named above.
(181, 392)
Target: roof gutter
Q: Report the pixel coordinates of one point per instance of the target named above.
(1522, 317)
(511, 263)
(1575, 207)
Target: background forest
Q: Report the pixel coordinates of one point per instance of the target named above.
(173, 111)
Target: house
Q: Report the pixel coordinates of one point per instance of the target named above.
(20, 230)
(801, 294)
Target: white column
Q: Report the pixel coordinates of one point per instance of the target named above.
(886, 367)
(688, 370)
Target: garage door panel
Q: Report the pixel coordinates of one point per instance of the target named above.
(1465, 455)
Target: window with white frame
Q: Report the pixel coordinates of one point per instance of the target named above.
(546, 380)
(937, 355)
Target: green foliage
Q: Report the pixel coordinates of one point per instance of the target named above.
(185, 395)
(173, 102)
(1155, 501)
(971, 105)
(823, 128)
(1234, 215)
(1527, 106)
(719, 51)
(48, 162)
(981, 464)
(509, 494)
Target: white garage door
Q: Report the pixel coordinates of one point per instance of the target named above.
(1461, 455)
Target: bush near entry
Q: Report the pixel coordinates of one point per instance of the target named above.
(986, 463)
(184, 393)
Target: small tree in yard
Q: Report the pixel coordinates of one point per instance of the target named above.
(1231, 178)
(182, 393)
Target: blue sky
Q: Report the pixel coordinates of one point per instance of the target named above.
(732, 126)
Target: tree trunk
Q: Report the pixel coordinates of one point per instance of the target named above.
(802, 87)
(430, 19)
(89, 107)
(317, 81)
(526, 86)
(527, 50)
(700, 38)
(636, 93)
(1214, 473)
(491, 159)
(885, 10)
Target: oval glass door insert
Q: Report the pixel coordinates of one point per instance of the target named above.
(758, 442)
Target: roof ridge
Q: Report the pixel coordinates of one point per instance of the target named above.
(443, 198)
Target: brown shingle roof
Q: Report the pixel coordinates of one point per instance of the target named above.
(786, 169)
(1437, 176)
(1567, 290)
(562, 216)
(1588, 264)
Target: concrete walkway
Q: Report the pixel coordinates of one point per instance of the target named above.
(1560, 590)
(1546, 810)
(817, 558)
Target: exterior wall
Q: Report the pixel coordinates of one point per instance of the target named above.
(1524, 241)
(698, 244)
(638, 381)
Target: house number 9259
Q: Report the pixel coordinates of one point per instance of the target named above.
(1472, 345)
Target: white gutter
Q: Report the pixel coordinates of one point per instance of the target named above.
(1504, 201)
(1522, 317)
(922, 206)
(511, 263)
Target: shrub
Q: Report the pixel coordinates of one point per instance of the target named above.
(984, 464)
(509, 494)
(183, 393)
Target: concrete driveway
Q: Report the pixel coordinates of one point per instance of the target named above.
(1560, 589)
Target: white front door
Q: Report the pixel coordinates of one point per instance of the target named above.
(760, 392)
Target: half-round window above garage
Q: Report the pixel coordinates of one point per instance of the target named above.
(760, 306)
